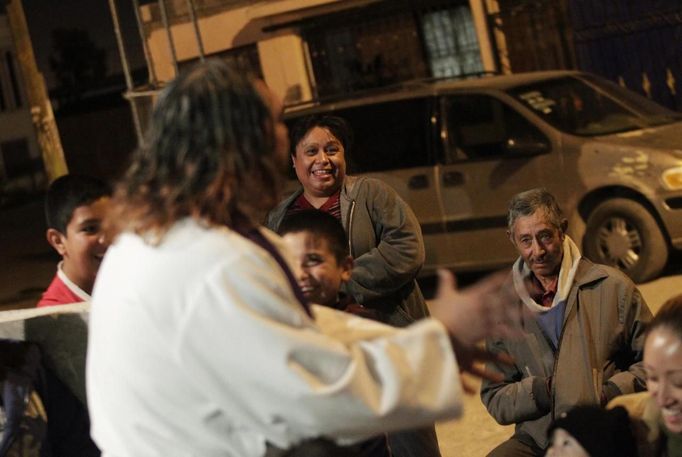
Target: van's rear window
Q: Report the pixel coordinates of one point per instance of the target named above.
(574, 106)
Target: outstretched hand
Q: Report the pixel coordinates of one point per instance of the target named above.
(485, 309)
(471, 360)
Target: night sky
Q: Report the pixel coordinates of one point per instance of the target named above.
(43, 16)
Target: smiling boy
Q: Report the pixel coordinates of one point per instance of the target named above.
(319, 248)
(75, 206)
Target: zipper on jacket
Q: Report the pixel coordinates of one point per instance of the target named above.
(558, 349)
(554, 368)
(351, 211)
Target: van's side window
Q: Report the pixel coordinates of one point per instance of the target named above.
(389, 136)
(481, 126)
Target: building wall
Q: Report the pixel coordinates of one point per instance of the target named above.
(281, 53)
(298, 41)
(283, 62)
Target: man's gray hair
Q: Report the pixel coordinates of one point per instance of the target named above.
(526, 203)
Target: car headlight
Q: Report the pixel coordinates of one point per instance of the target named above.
(672, 178)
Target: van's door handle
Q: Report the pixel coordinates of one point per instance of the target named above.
(453, 178)
(418, 182)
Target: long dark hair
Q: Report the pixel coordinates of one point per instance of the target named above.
(209, 153)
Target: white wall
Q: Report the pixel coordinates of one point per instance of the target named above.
(283, 62)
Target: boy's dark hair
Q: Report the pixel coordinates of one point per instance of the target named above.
(319, 224)
(67, 193)
(335, 124)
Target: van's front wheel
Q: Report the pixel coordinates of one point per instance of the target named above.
(623, 234)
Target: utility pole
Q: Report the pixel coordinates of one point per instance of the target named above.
(34, 83)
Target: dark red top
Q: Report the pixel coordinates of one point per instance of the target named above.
(331, 206)
(537, 292)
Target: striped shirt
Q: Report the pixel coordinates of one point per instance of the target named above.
(331, 206)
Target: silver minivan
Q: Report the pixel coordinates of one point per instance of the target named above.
(457, 151)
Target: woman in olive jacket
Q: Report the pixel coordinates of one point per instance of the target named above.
(384, 235)
(384, 239)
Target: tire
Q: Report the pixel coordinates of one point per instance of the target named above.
(623, 234)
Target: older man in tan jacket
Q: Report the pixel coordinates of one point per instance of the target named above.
(583, 332)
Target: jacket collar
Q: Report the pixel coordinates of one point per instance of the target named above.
(589, 272)
(349, 189)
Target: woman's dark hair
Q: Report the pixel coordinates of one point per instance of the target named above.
(669, 316)
(209, 153)
(335, 124)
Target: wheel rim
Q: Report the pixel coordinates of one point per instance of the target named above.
(620, 243)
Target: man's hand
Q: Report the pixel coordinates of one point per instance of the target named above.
(471, 360)
(485, 309)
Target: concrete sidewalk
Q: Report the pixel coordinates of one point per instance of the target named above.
(475, 434)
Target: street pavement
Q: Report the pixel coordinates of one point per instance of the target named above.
(27, 265)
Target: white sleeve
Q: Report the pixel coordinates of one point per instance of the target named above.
(262, 359)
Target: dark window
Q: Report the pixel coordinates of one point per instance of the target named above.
(3, 103)
(16, 159)
(480, 126)
(389, 135)
(577, 108)
(365, 53)
(9, 58)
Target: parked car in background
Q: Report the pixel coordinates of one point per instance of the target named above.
(457, 151)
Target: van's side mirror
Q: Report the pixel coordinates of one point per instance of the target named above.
(527, 146)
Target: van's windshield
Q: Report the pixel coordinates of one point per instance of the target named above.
(590, 106)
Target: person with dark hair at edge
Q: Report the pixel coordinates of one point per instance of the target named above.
(583, 329)
(384, 237)
(591, 431)
(211, 348)
(657, 413)
(75, 206)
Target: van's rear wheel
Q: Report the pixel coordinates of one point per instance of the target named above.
(622, 233)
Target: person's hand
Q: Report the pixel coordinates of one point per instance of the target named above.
(485, 309)
(471, 361)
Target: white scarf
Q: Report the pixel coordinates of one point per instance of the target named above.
(80, 293)
(569, 264)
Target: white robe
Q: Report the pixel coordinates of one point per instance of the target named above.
(198, 347)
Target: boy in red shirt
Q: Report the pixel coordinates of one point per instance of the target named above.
(75, 206)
